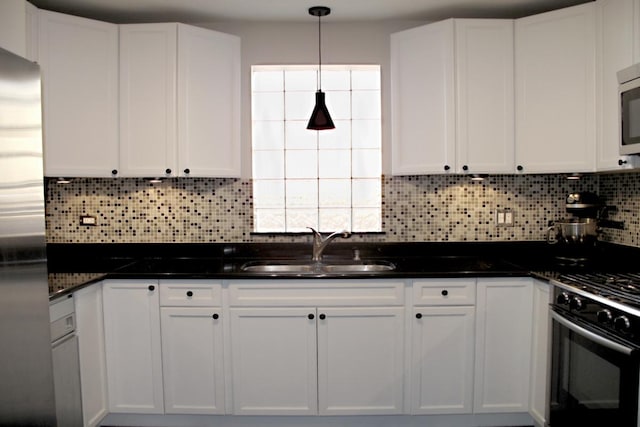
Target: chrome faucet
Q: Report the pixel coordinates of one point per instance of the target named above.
(319, 244)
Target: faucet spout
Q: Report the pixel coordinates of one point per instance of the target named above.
(320, 243)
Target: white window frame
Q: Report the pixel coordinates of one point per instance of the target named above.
(280, 166)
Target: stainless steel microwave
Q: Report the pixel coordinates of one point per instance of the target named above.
(629, 91)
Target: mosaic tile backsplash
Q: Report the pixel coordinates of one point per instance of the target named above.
(433, 208)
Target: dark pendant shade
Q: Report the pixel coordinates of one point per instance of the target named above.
(320, 118)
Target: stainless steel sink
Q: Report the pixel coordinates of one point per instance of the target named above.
(278, 268)
(316, 268)
(359, 268)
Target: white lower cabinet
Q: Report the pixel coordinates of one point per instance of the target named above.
(274, 359)
(503, 344)
(320, 347)
(443, 346)
(132, 343)
(540, 357)
(93, 365)
(360, 360)
(192, 347)
(344, 357)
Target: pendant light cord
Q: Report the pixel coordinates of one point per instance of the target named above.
(319, 53)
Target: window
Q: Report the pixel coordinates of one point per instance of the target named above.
(329, 180)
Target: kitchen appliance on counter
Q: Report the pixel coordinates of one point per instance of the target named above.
(595, 350)
(26, 366)
(575, 238)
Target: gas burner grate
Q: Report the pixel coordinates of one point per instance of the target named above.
(624, 286)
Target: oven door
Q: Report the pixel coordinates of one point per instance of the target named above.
(594, 377)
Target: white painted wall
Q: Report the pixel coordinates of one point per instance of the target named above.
(297, 43)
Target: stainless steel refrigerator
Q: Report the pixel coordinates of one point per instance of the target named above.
(26, 372)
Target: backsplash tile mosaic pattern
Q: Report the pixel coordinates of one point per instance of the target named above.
(622, 193)
(415, 208)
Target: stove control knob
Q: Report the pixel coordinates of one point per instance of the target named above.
(563, 299)
(576, 304)
(604, 316)
(622, 323)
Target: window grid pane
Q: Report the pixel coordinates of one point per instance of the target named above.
(329, 180)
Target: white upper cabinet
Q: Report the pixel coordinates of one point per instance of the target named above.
(452, 97)
(485, 96)
(79, 61)
(422, 93)
(618, 30)
(179, 101)
(555, 91)
(18, 28)
(208, 103)
(148, 136)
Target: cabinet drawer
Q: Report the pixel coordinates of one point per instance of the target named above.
(190, 293)
(316, 292)
(458, 291)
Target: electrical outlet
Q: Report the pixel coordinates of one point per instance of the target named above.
(88, 220)
(504, 217)
(508, 218)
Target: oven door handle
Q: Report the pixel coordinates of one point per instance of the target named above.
(591, 335)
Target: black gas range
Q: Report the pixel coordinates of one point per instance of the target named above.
(610, 301)
(595, 349)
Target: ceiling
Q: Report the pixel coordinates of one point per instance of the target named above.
(200, 11)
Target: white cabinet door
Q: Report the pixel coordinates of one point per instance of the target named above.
(443, 348)
(192, 358)
(617, 38)
(540, 351)
(132, 342)
(452, 97)
(422, 100)
(79, 61)
(503, 345)
(148, 135)
(16, 27)
(360, 360)
(179, 101)
(93, 364)
(555, 91)
(208, 103)
(485, 95)
(274, 361)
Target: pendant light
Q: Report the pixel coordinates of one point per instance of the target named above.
(320, 117)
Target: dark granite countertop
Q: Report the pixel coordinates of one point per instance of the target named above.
(72, 266)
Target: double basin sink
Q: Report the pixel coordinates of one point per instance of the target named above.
(314, 268)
